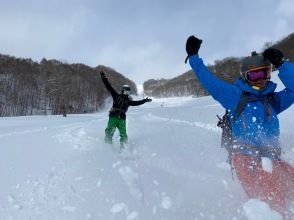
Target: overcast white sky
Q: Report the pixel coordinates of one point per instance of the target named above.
(142, 39)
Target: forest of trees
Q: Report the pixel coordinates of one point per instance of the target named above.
(53, 87)
(227, 69)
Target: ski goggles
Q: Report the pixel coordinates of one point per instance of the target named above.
(126, 92)
(258, 75)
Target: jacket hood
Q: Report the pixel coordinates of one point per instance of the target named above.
(270, 87)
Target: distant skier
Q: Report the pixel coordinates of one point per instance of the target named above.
(252, 109)
(117, 114)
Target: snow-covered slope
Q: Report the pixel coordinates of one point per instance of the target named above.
(60, 168)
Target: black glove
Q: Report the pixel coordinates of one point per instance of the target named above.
(102, 74)
(192, 46)
(274, 56)
(148, 99)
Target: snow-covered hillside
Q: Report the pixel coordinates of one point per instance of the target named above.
(60, 168)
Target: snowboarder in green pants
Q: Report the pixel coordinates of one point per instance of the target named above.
(117, 114)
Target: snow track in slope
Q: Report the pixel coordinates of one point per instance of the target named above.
(206, 126)
(175, 168)
(42, 129)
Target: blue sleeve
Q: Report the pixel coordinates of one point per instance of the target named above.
(286, 96)
(226, 94)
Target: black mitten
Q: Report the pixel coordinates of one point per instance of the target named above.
(102, 74)
(192, 46)
(274, 56)
(148, 99)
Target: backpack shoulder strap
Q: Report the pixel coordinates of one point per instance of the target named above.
(244, 100)
(273, 100)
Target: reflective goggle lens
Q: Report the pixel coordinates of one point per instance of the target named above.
(127, 92)
(257, 75)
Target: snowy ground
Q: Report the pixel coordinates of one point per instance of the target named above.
(60, 168)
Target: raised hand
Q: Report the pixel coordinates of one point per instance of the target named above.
(102, 74)
(192, 46)
(274, 56)
(148, 99)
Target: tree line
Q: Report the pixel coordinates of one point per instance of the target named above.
(53, 87)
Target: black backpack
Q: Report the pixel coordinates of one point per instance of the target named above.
(225, 123)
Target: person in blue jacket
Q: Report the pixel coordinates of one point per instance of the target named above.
(255, 132)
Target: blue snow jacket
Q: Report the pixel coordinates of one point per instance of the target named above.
(253, 127)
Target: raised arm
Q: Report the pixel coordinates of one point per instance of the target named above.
(113, 93)
(285, 98)
(226, 94)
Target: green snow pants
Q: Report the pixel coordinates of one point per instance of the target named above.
(114, 123)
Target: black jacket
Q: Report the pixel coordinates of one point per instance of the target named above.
(121, 102)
